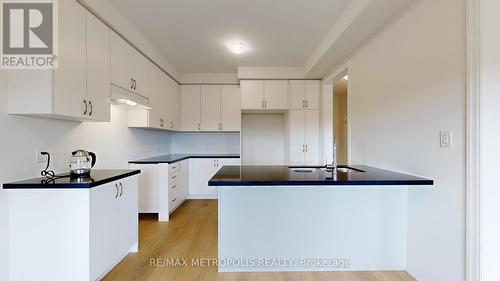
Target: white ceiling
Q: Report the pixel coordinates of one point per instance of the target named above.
(192, 33)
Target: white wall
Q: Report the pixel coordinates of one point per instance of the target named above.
(490, 138)
(263, 139)
(208, 143)
(113, 143)
(406, 85)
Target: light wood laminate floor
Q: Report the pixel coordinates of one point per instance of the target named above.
(190, 234)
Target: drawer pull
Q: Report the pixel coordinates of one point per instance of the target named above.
(175, 199)
(174, 186)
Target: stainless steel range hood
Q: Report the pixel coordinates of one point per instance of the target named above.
(127, 99)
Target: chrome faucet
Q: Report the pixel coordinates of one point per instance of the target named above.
(333, 165)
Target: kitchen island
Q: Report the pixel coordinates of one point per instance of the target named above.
(277, 218)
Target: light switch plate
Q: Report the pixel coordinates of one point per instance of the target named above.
(446, 139)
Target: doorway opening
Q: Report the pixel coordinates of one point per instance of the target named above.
(340, 116)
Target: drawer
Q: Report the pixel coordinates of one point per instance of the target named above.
(173, 177)
(172, 168)
(173, 202)
(173, 186)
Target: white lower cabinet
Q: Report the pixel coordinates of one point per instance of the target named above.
(162, 187)
(72, 234)
(201, 171)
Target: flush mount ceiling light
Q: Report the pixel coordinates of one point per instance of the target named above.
(238, 47)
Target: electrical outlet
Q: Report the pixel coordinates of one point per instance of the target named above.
(39, 157)
(445, 139)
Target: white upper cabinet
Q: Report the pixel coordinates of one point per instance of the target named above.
(190, 107)
(312, 94)
(77, 89)
(98, 69)
(304, 94)
(121, 63)
(70, 76)
(157, 98)
(163, 100)
(140, 70)
(297, 98)
(276, 94)
(173, 104)
(303, 137)
(252, 94)
(210, 107)
(129, 68)
(230, 114)
(264, 95)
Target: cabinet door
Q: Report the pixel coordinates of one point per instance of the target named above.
(297, 88)
(190, 107)
(103, 228)
(140, 71)
(296, 123)
(173, 104)
(158, 98)
(200, 172)
(98, 69)
(252, 94)
(121, 62)
(128, 217)
(183, 184)
(230, 113)
(312, 137)
(210, 107)
(312, 93)
(276, 94)
(70, 76)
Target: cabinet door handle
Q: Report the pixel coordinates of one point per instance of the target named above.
(175, 199)
(85, 111)
(307, 104)
(116, 185)
(131, 83)
(303, 104)
(303, 148)
(199, 126)
(91, 108)
(307, 148)
(222, 126)
(135, 84)
(174, 186)
(265, 103)
(121, 189)
(171, 124)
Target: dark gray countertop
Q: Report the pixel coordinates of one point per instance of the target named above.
(283, 175)
(172, 158)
